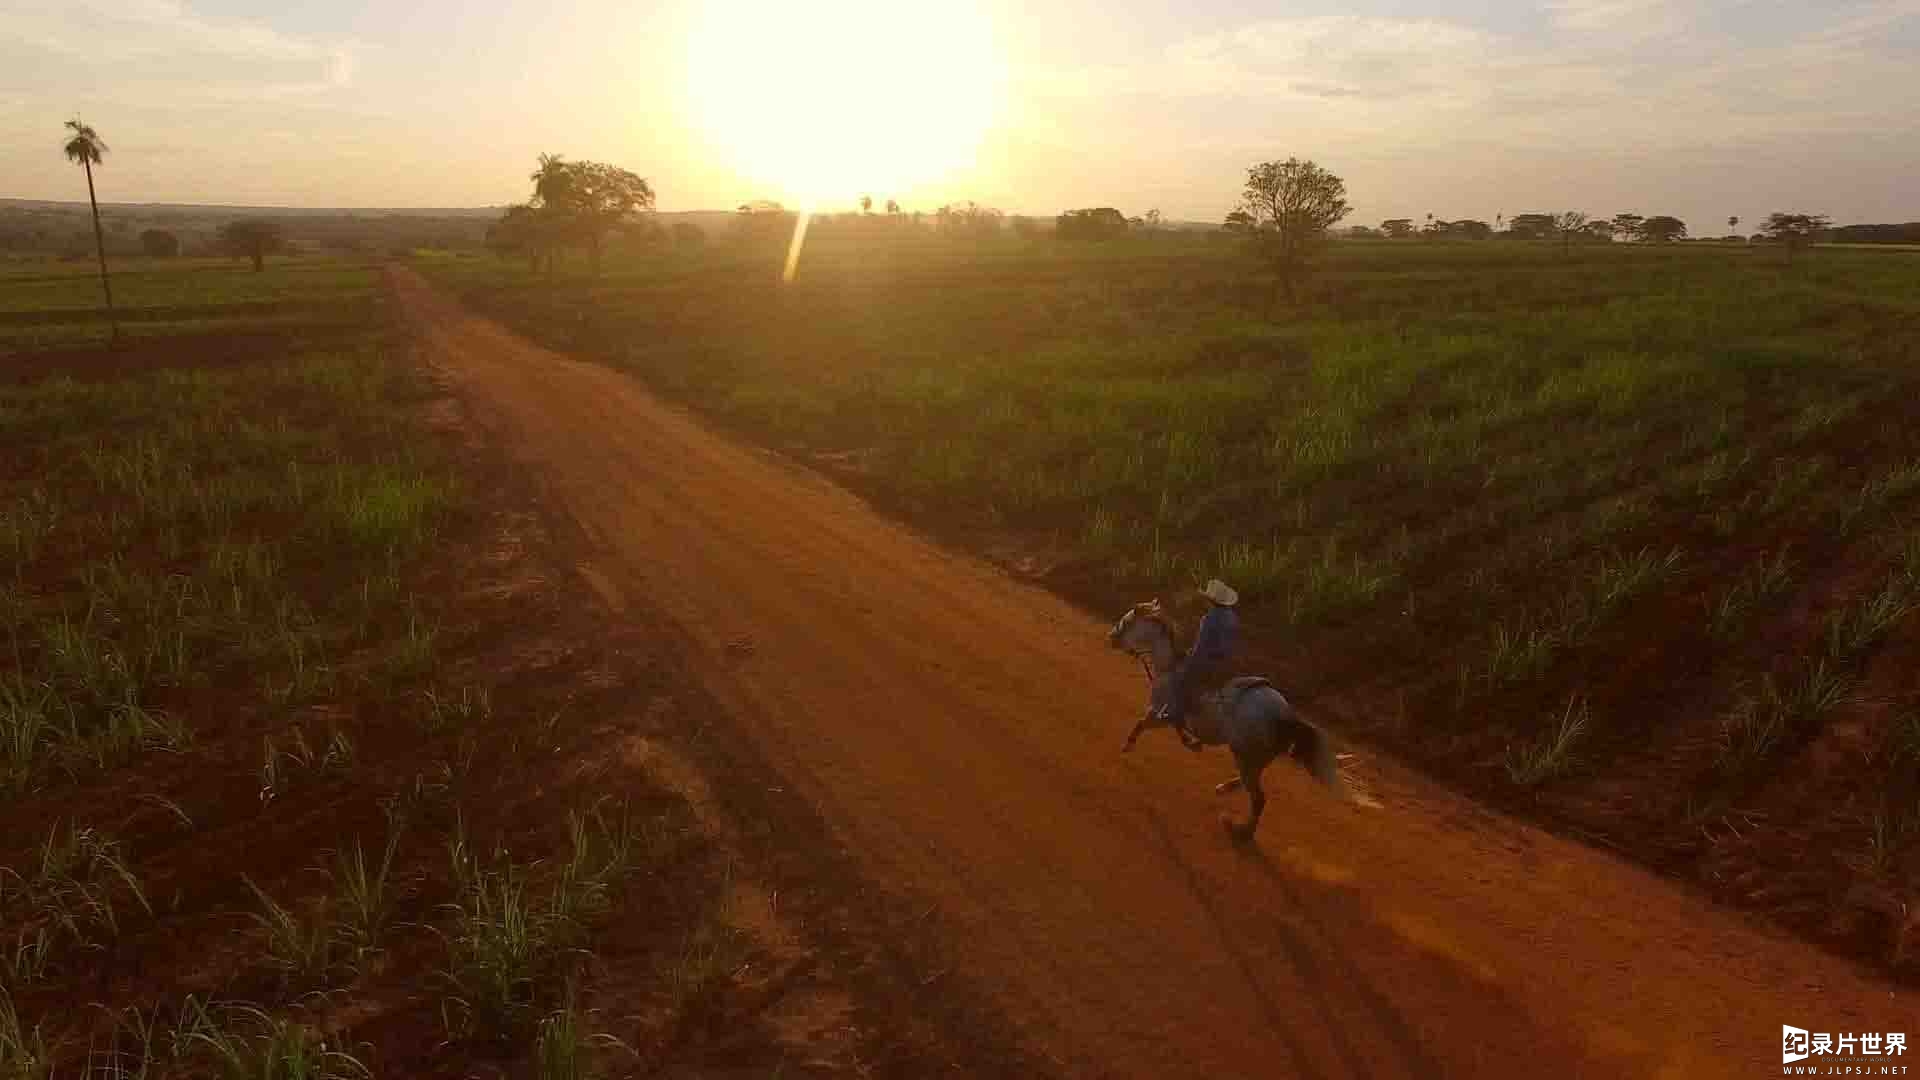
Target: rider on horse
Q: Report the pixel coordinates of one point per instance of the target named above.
(1206, 662)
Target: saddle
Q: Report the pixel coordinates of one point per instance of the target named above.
(1219, 696)
(1223, 696)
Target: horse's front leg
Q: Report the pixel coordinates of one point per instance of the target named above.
(1146, 721)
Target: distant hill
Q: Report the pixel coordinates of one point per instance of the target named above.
(195, 210)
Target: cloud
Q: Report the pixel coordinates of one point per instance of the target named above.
(146, 47)
(1331, 55)
(1647, 74)
(1635, 19)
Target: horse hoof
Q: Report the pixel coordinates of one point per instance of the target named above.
(1126, 748)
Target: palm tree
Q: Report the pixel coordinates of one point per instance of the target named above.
(553, 198)
(86, 148)
(1733, 223)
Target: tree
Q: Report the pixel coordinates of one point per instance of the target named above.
(1908, 233)
(579, 202)
(1733, 225)
(765, 222)
(1090, 224)
(866, 204)
(86, 149)
(1469, 229)
(1153, 220)
(1627, 226)
(971, 218)
(1361, 232)
(1238, 221)
(159, 243)
(1793, 230)
(254, 239)
(523, 230)
(1397, 228)
(1568, 224)
(605, 197)
(1292, 204)
(893, 208)
(1660, 229)
(1599, 229)
(1533, 226)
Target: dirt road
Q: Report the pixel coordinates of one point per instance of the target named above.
(959, 732)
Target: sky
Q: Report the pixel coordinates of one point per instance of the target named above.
(1697, 108)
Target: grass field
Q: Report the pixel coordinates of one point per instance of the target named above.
(1626, 537)
(285, 792)
(46, 304)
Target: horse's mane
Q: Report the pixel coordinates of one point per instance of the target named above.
(1169, 623)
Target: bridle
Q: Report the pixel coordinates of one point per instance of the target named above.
(1146, 664)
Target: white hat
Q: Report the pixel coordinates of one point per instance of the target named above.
(1220, 593)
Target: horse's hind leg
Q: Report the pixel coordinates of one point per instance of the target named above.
(1250, 769)
(1134, 736)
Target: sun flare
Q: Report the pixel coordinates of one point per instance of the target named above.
(825, 101)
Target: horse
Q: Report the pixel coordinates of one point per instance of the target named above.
(1248, 716)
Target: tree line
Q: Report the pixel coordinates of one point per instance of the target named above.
(1566, 226)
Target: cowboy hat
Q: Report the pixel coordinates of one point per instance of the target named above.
(1220, 593)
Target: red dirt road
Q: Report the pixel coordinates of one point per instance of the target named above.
(959, 732)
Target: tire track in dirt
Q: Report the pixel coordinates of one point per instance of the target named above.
(958, 732)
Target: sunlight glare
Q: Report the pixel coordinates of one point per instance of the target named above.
(827, 100)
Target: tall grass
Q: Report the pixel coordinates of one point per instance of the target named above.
(175, 513)
(1766, 718)
(23, 1050)
(516, 928)
(1552, 755)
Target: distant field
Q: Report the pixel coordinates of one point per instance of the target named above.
(49, 304)
(1625, 537)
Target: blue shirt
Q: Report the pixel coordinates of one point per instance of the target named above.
(1218, 634)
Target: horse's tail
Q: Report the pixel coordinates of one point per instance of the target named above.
(1314, 751)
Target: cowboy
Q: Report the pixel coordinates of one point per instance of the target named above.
(1213, 646)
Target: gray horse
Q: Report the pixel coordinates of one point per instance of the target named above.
(1248, 716)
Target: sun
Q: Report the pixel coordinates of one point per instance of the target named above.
(824, 101)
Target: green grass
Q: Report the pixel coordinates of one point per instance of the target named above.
(149, 558)
(1552, 755)
(1766, 578)
(1770, 716)
(78, 886)
(1453, 395)
(363, 901)
(298, 945)
(58, 305)
(23, 1050)
(516, 930)
(243, 1042)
